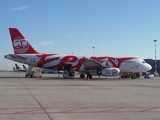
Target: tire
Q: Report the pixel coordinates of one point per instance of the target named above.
(82, 76)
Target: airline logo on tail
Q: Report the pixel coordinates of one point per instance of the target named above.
(20, 44)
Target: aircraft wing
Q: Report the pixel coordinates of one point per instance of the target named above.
(17, 57)
(92, 64)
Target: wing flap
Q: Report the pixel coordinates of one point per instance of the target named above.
(92, 64)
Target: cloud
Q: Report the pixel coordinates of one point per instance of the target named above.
(45, 43)
(22, 7)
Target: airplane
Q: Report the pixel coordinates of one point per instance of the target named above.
(98, 65)
(18, 69)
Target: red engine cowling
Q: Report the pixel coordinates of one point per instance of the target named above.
(108, 71)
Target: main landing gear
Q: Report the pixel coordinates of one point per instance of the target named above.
(89, 76)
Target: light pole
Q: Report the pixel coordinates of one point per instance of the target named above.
(155, 57)
(93, 50)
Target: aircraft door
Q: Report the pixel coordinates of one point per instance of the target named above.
(68, 66)
(136, 64)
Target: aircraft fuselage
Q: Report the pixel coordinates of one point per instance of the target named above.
(55, 61)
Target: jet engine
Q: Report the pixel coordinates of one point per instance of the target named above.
(108, 71)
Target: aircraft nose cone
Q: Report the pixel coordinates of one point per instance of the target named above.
(149, 67)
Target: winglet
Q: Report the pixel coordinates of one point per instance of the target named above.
(20, 44)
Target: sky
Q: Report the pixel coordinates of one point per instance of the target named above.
(114, 27)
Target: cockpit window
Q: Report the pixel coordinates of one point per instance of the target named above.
(143, 61)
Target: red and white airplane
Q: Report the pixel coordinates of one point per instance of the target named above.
(100, 65)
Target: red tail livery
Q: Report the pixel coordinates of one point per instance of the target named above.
(20, 44)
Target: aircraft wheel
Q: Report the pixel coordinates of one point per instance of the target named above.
(82, 76)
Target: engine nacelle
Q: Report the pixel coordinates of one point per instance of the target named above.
(108, 71)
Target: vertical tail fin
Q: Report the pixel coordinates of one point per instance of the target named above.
(19, 43)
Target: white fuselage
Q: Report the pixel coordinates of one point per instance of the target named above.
(54, 61)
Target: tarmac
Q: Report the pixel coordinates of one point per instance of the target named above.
(54, 98)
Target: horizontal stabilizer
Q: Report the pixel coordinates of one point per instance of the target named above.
(15, 56)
